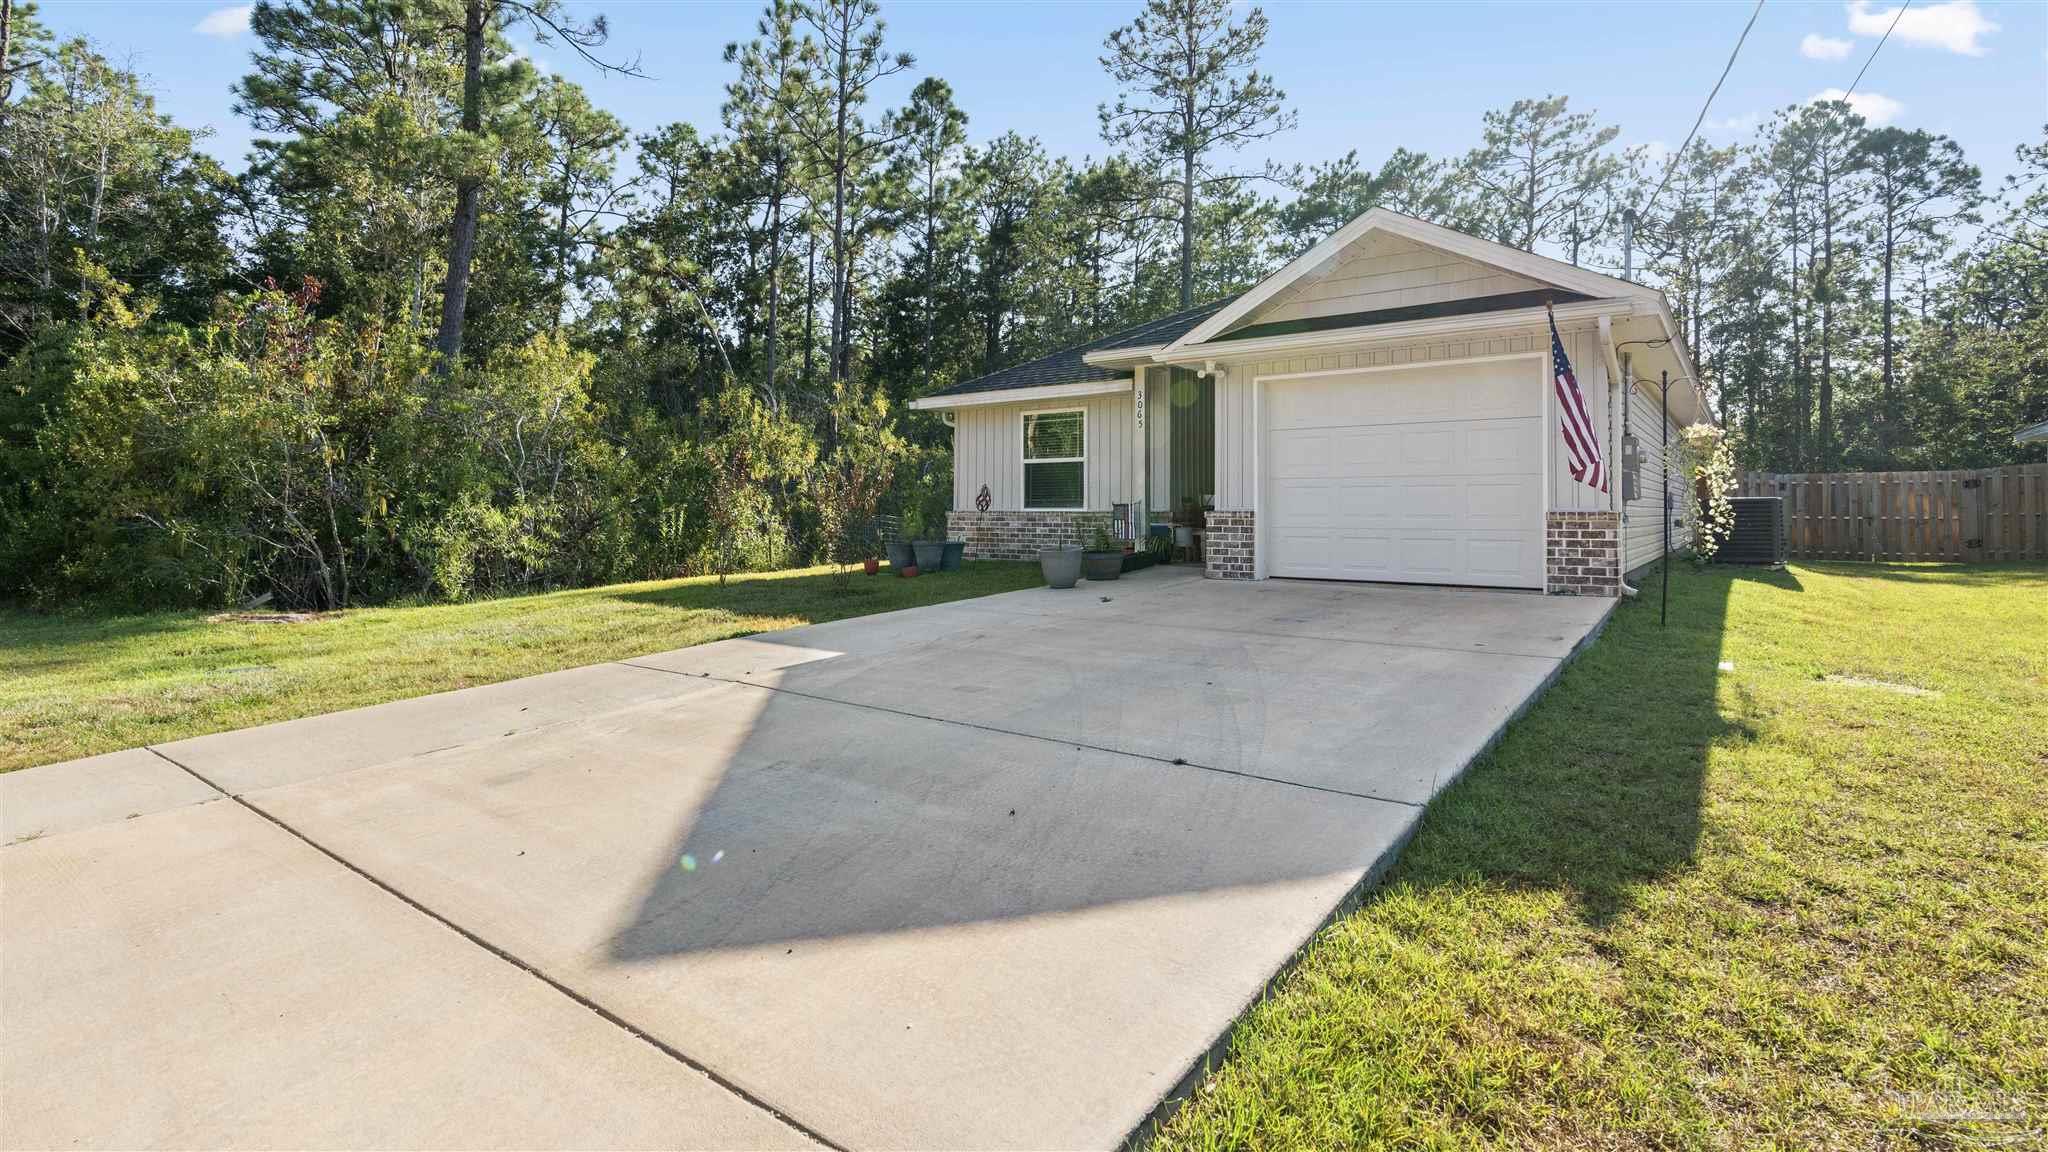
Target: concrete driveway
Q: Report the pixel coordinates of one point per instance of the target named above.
(997, 873)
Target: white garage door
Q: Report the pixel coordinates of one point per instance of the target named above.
(1426, 475)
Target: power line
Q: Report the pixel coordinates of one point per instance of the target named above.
(1702, 117)
(1896, 17)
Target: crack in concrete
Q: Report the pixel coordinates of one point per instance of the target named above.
(1170, 761)
(593, 1006)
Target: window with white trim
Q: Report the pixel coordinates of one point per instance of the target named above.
(1055, 460)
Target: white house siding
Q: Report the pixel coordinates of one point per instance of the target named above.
(1643, 520)
(1236, 427)
(1386, 271)
(988, 448)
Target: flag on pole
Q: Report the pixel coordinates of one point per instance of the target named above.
(1581, 435)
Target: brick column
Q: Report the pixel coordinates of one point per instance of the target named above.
(1582, 553)
(1227, 546)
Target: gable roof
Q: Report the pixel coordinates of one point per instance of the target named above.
(2031, 433)
(1069, 366)
(1566, 277)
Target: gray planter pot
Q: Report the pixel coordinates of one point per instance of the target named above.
(899, 554)
(955, 549)
(930, 554)
(1060, 566)
(1102, 565)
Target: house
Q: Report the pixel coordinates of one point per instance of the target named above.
(2032, 434)
(1379, 409)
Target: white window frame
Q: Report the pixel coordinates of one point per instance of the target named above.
(1024, 462)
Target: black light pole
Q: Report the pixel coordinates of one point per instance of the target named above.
(1664, 423)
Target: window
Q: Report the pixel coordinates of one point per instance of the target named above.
(1055, 459)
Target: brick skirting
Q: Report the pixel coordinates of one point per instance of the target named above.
(1227, 546)
(1582, 553)
(1021, 535)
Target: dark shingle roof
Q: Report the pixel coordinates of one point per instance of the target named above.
(1067, 367)
(1505, 302)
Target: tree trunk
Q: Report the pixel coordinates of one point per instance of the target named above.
(1187, 230)
(774, 270)
(835, 356)
(468, 194)
(931, 233)
(1824, 438)
(810, 297)
(1884, 423)
(6, 51)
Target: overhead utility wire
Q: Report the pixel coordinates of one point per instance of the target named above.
(1702, 117)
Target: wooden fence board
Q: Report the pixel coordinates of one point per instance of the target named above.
(1969, 515)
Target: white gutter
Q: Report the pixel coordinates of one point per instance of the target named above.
(1023, 395)
(1406, 330)
(1120, 357)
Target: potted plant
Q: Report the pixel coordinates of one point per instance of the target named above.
(1104, 559)
(926, 553)
(871, 565)
(955, 549)
(1060, 566)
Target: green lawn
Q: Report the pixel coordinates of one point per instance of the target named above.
(76, 685)
(1689, 906)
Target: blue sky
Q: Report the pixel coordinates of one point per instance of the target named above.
(1369, 77)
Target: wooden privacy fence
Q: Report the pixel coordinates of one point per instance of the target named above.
(1980, 514)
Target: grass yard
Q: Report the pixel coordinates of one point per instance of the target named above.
(78, 685)
(1796, 900)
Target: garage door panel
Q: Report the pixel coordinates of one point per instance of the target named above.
(1365, 451)
(1429, 557)
(1298, 452)
(1501, 503)
(1367, 504)
(1505, 557)
(1362, 555)
(1430, 475)
(1499, 447)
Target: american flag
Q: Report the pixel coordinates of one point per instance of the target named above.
(1581, 437)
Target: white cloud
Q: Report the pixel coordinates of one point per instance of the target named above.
(1955, 25)
(1732, 127)
(225, 23)
(1815, 46)
(1875, 107)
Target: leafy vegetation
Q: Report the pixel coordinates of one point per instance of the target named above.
(1791, 897)
(82, 684)
(455, 330)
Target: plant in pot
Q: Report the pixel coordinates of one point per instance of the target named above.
(928, 554)
(1104, 559)
(1061, 567)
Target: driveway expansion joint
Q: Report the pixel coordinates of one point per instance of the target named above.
(592, 1006)
(1078, 745)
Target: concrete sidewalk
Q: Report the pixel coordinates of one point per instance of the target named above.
(997, 873)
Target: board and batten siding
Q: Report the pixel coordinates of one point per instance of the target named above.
(988, 448)
(1387, 271)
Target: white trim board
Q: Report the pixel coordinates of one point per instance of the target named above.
(1023, 395)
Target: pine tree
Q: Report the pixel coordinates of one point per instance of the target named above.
(1189, 88)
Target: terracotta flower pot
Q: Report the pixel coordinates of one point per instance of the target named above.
(907, 573)
(871, 565)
